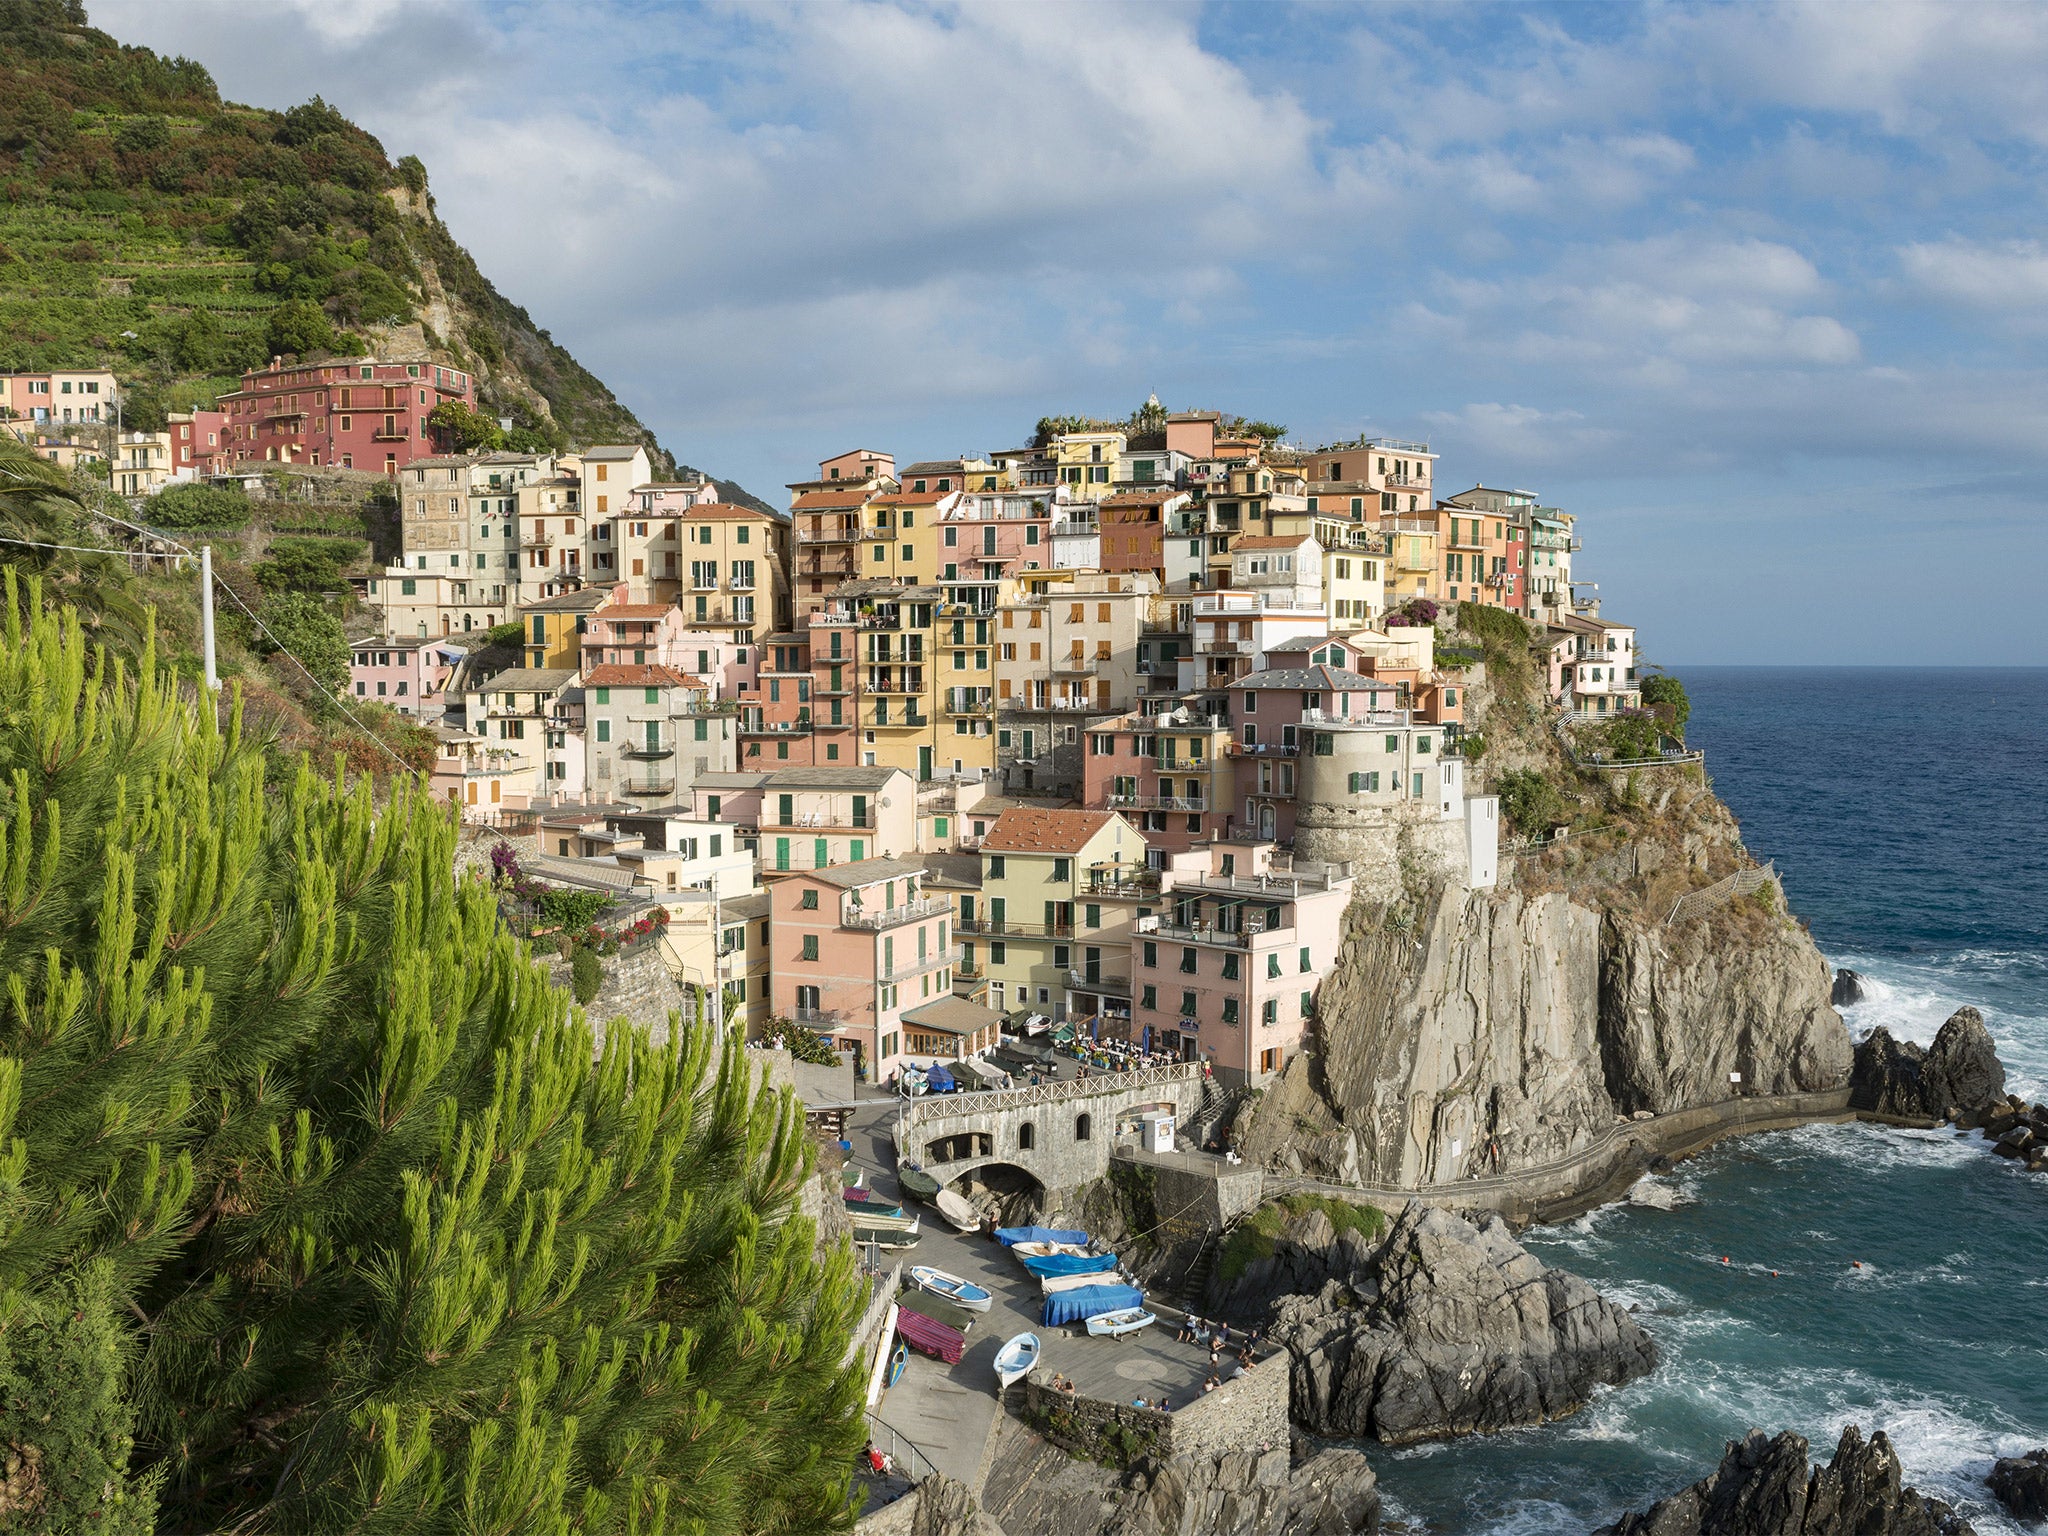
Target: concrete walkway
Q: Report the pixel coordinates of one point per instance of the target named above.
(948, 1412)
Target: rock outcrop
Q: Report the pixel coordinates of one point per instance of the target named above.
(1035, 1489)
(1766, 1487)
(1959, 1077)
(2019, 1130)
(2021, 1484)
(1451, 1329)
(1848, 988)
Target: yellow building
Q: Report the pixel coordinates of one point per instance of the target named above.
(1037, 928)
(887, 672)
(1086, 462)
(1412, 562)
(720, 563)
(555, 626)
(900, 540)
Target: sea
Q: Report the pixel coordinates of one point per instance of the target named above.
(1831, 1275)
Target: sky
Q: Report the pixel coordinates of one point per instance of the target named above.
(1760, 293)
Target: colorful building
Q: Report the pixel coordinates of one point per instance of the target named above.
(359, 414)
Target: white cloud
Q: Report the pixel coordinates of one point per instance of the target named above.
(2008, 276)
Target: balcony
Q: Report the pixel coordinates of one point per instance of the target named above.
(1124, 881)
(1154, 928)
(819, 1018)
(646, 752)
(993, 929)
(1288, 884)
(801, 726)
(1157, 803)
(662, 787)
(895, 917)
(1224, 647)
(536, 541)
(396, 434)
(828, 536)
(1119, 985)
(1262, 749)
(907, 968)
(703, 583)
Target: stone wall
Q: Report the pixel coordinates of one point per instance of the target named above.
(638, 987)
(1248, 1414)
(1059, 1156)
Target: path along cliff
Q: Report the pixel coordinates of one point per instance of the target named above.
(1477, 1033)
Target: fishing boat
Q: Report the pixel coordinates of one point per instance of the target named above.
(964, 1217)
(894, 1239)
(1048, 1250)
(961, 1292)
(1115, 1325)
(1050, 1285)
(891, 1219)
(863, 1202)
(901, 1357)
(1015, 1359)
(917, 1184)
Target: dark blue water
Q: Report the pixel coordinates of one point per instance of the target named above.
(1903, 810)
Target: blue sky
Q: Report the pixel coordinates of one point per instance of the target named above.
(1759, 292)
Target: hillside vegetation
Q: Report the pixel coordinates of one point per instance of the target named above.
(150, 227)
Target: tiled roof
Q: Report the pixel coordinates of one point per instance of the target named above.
(582, 600)
(951, 1016)
(1317, 677)
(1036, 831)
(856, 494)
(628, 675)
(912, 498)
(1153, 497)
(1271, 541)
(527, 680)
(635, 611)
(612, 452)
(827, 777)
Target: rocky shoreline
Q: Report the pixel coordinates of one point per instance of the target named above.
(1958, 1080)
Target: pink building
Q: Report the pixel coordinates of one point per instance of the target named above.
(360, 414)
(1171, 774)
(862, 955)
(985, 535)
(408, 674)
(1228, 973)
(1272, 709)
(197, 442)
(776, 728)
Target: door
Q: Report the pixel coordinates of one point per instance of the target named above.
(924, 764)
(782, 853)
(1091, 964)
(821, 854)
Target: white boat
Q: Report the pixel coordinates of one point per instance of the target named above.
(901, 1222)
(1015, 1359)
(1047, 1250)
(1116, 1324)
(961, 1292)
(964, 1217)
(1049, 1284)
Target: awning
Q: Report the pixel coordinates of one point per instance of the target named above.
(1089, 1301)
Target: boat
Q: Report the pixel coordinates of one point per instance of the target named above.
(930, 1338)
(917, 1184)
(1069, 1264)
(862, 1202)
(891, 1219)
(1010, 1237)
(964, 1217)
(1052, 1285)
(1115, 1325)
(1048, 1250)
(960, 1292)
(1089, 1301)
(937, 1308)
(1015, 1359)
(851, 1177)
(901, 1357)
(892, 1238)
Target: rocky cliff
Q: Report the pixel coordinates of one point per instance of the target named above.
(1764, 1487)
(1450, 1329)
(1468, 1033)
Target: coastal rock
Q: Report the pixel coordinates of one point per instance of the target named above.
(1035, 1489)
(1958, 1078)
(1848, 988)
(1452, 1329)
(1766, 1487)
(2021, 1484)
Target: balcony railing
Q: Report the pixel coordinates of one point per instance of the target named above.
(895, 917)
(650, 786)
(649, 752)
(1121, 985)
(829, 1018)
(990, 928)
(828, 536)
(1154, 928)
(1288, 883)
(1135, 883)
(931, 962)
(820, 821)
(1157, 803)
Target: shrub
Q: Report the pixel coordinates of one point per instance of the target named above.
(513, 633)
(298, 327)
(1493, 626)
(301, 626)
(1530, 802)
(585, 974)
(572, 910)
(1630, 735)
(198, 506)
(1665, 696)
(809, 1045)
(1258, 1235)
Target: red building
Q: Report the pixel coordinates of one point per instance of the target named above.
(198, 442)
(354, 415)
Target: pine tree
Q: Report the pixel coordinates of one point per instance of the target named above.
(403, 1249)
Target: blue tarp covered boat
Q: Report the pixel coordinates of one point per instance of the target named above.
(1090, 1301)
(938, 1079)
(1009, 1237)
(1070, 1264)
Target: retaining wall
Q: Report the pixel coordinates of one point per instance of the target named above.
(1248, 1414)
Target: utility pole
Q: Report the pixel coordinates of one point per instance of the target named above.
(206, 614)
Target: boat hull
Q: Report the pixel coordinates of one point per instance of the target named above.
(962, 1293)
(1016, 1358)
(1114, 1325)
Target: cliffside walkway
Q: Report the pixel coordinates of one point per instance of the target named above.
(1614, 1159)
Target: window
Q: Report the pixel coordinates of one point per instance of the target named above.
(995, 866)
(810, 946)
(1092, 912)
(1326, 744)
(1187, 1005)
(1269, 1011)
(1187, 961)
(1308, 1005)
(1027, 1136)
(1151, 955)
(1306, 966)
(1148, 997)
(1083, 1127)
(1230, 1010)
(1273, 964)
(1230, 967)
(604, 730)
(1062, 869)
(808, 901)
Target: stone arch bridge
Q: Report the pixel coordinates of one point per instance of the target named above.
(1060, 1133)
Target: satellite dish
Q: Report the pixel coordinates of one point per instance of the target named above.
(883, 802)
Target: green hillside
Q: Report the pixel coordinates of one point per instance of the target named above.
(150, 227)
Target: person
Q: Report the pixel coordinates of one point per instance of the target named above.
(1212, 1355)
(1069, 1387)
(1184, 1333)
(1210, 1384)
(1223, 1335)
(1138, 1402)
(1166, 1405)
